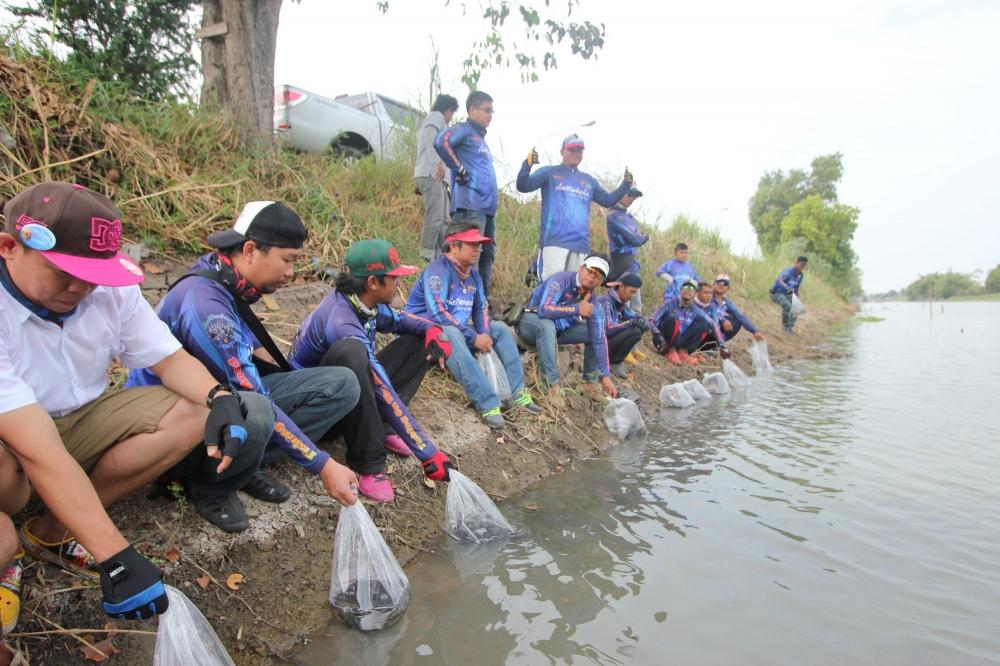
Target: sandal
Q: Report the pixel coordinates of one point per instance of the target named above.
(69, 554)
(10, 595)
(226, 513)
(267, 489)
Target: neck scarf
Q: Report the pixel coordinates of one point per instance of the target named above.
(233, 281)
(363, 310)
(463, 273)
(37, 310)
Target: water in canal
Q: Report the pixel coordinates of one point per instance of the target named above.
(837, 512)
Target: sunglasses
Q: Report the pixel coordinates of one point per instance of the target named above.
(574, 150)
(688, 286)
(725, 283)
(595, 272)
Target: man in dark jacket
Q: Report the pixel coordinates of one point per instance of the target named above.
(255, 257)
(463, 149)
(624, 327)
(341, 332)
(624, 241)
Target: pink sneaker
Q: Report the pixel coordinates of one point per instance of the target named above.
(376, 487)
(395, 443)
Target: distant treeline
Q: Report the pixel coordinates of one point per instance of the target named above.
(942, 286)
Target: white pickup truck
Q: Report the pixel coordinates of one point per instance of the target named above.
(350, 125)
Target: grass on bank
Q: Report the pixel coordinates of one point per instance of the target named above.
(179, 172)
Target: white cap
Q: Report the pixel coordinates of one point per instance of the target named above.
(599, 263)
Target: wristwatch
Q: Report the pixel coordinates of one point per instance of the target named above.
(214, 390)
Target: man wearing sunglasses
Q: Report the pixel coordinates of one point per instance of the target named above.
(567, 192)
(680, 327)
(729, 318)
(561, 312)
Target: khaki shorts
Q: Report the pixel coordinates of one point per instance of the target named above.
(97, 426)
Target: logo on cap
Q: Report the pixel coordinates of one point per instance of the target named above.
(105, 235)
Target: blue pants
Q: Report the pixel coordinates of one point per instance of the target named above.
(688, 340)
(542, 333)
(465, 368)
(488, 227)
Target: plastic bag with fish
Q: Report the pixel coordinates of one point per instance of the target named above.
(759, 357)
(715, 383)
(734, 375)
(623, 418)
(185, 638)
(470, 515)
(696, 390)
(797, 307)
(674, 395)
(368, 589)
(495, 372)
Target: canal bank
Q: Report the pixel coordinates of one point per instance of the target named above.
(265, 590)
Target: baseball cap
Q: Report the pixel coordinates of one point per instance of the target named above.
(376, 257)
(722, 277)
(573, 141)
(687, 282)
(77, 230)
(634, 193)
(598, 262)
(627, 280)
(268, 222)
(467, 232)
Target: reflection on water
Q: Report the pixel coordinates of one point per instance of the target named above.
(835, 512)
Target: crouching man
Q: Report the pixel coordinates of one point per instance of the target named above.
(450, 292)
(341, 332)
(623, 326)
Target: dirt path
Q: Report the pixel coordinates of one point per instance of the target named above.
(284, 557)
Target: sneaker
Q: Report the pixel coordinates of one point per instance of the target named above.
(267, 489)
(10, 595)
(376, 486)
(493, 418)
(69, 554)
(524, 401)
(638, 355)
(674, 357)
(226, 513)
(694, 359)
(619, 370)
(631, 359)
(395, 444)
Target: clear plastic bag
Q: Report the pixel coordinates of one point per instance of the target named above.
(623, 418)
(674, 395)
(368, 589)
(495, 372)
(797, 307)
(185, 638)
(470, 515)
(734, 375)
(696, 390)
(715, 382)
(759, 357)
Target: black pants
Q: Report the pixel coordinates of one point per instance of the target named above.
(621, 344)
(620, 264)
(405, 362)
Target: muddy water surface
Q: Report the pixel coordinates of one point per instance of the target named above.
(843, 511)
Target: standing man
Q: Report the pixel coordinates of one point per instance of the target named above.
(785, 286)
(676, 270)
(69, 305)
(450, 292)
(463, 149)
(341, 332)
(623, 325)
(729, 318)
(561, 312)
(567, 192)
(624, 241)
(208, 310)
(429, 173)
(681, 326)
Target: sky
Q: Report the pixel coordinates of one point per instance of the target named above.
(700, 99)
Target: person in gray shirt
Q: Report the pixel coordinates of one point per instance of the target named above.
(429, 175)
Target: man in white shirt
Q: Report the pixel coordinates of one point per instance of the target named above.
(69, 305)
(429, 175)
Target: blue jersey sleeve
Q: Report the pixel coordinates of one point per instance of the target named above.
(550, 308)
(480, 307)
(529, 182)
(289, 438)
(609, 199)
(446, 142)
(436, 284)
(618, 224)
(738, 315)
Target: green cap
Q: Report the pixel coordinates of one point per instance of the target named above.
(376, 257)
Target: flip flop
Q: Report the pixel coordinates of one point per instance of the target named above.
(69, 554)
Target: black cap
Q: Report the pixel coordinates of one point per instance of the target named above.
(629, 280)
(267, 222)
(634, 193)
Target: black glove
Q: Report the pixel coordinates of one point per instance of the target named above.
(225, 426)
(628, 178)
(132, 586)
(640, 323)
(461, 175)
(725, 353)
(659, 343)
(437, 344)
(436, 467)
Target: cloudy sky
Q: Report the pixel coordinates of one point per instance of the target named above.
(699, 99)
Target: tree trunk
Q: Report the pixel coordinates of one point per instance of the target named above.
(238, 66)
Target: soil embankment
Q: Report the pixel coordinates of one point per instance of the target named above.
(284, 558)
